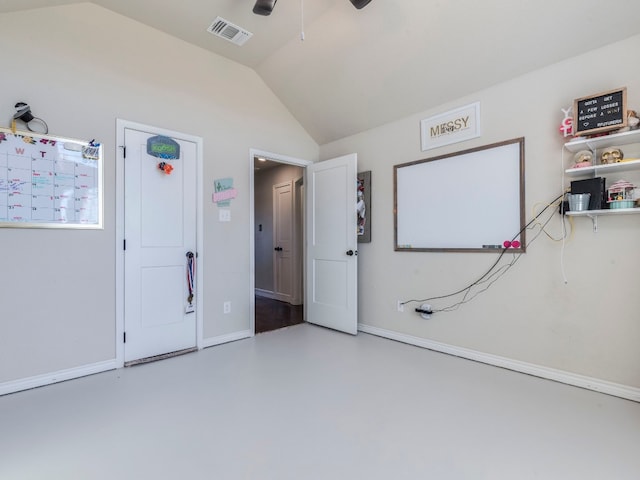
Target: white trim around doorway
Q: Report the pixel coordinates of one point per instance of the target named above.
(253, 153)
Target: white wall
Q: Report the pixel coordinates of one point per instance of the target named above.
(80, 67)
(589, 326)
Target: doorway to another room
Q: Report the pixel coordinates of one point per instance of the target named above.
(278, 243)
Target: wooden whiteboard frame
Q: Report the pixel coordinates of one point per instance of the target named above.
(39, 146)
(467, 201)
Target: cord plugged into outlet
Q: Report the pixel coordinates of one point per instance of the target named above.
(425, 311)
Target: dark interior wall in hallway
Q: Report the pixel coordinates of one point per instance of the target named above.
(264, 180)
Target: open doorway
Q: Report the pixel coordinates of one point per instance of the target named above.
(278, 230)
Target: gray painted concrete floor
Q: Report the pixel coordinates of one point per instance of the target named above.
(309, 403)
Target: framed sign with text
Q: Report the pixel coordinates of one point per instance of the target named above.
(451, 127)
(600, 113)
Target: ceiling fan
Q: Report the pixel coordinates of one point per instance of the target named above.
(265, 7)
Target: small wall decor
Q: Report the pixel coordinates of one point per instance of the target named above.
(224, 192)
(566, 127)
(163, 147)
(363, 207)
(166, 167)
(600, 113)
(451, 127)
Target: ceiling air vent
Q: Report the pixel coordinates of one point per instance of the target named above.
(227, 30)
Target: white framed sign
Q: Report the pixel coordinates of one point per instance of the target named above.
(451, 127)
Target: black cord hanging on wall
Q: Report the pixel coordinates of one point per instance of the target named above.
(23, 113)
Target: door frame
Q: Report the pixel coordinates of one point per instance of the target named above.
(121, 125)
(252, 220)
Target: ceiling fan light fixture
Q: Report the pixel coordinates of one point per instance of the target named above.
(360, 3)
(264, 7)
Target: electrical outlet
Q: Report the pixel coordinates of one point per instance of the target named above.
(400, 306)
(426, 312)
(226, 307)
(224, 215)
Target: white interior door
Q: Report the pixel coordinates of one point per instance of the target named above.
(283, 241)
(332, 261)
(159, 230)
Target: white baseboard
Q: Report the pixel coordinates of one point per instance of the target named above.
(232, 337)
(272, 295)
(266, 293)
(55, 377)
(71, 373)
(602, 386)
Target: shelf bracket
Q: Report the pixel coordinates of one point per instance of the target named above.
(594, 220)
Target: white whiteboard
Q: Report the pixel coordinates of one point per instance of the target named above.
(466, 201)
(49, 182)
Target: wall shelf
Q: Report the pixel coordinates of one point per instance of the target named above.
(593, 214)
(613, 140)
(594, 144)
(626, 166)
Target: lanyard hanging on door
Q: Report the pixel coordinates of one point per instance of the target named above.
(191, 275)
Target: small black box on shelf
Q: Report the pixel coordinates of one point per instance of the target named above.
(596, 187)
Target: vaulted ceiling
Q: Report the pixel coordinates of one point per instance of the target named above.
(358, 69)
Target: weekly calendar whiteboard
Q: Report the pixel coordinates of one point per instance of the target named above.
(49, 182)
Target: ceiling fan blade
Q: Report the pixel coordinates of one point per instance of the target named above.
(360, 3)
(264, 7)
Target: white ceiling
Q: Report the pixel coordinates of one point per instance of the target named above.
(358, 69)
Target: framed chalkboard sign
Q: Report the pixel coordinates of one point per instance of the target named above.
(49, 182)
(468, 201)
(600, 113)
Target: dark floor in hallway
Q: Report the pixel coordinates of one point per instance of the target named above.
(274, 314)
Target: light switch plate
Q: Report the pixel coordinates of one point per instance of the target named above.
(224, 215)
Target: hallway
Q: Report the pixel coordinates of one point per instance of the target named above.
(274, 314)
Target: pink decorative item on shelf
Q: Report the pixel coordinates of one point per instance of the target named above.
(582, 159)
(566, 127)
(620, 195)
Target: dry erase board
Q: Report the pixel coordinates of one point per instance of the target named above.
(469, 201)
(49, 182)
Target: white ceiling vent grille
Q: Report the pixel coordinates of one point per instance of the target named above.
(225, 29)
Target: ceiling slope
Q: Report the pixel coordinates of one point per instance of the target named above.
(359, 69)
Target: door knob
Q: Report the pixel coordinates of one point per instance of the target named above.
(351, 253)
(278, 249)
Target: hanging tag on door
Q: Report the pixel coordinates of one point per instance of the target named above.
(191, 278)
